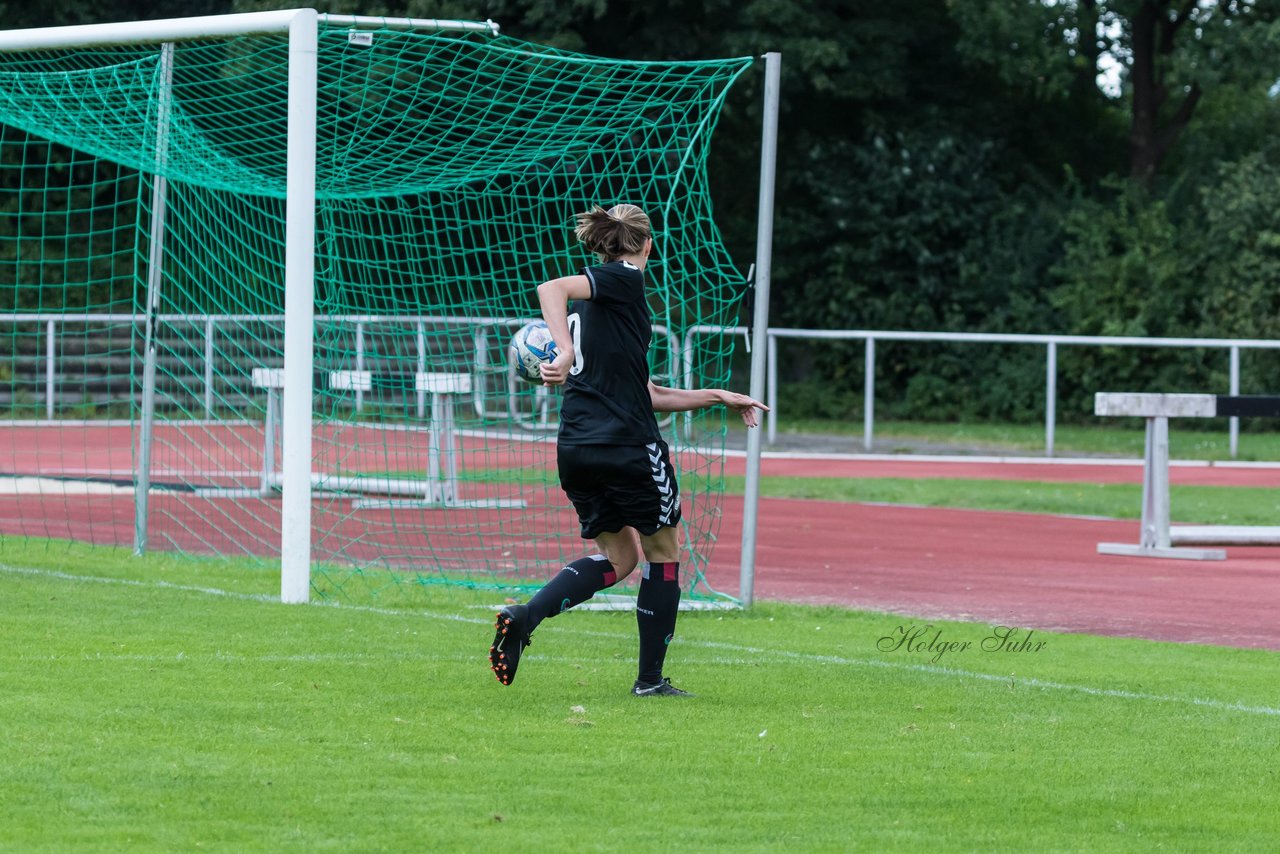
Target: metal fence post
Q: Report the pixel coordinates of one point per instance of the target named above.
(1234, 429)
(687, 357)
(422, 367)
(771, 417)
(208, 369)
(869, 396)
(1050, 396)
(359, 363)
(760, 322)
(50, 355)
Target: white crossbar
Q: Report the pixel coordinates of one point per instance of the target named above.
(1225, 535)
(440, 383)
(268, 377)
(209, 26)
(153, 32)
(1155, 405)
(351, 380)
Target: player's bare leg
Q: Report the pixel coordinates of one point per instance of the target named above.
(622, 548)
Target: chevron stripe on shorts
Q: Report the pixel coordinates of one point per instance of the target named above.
(669, 500)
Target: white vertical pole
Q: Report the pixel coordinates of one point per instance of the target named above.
(542, 395)
(299, 310)
(869, 396)
(359, 363)
(687, 357)
(1050, 396)
(1235, 390)
(1155, 485)
(764, 266)
(208, 369)
(155, 278)
(1160, 482)
(422, 368)
(442, 411)
(50, 360)
(480, 388)
(771, 417)
(1147, 529)
(435, 489)
(270, 427)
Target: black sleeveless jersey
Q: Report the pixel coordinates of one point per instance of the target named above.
(606, 399)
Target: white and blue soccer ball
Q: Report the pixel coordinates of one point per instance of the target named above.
(531, 346)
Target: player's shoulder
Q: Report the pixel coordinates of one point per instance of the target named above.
(616, 270)
(616, 282)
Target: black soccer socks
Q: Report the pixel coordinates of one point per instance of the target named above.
(574, 584)
(656, 610)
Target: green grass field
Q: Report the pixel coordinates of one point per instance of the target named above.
(162, 704)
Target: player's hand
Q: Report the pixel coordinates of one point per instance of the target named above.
(745, 407)
(556, 372)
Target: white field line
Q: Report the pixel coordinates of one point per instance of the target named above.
(757, 653)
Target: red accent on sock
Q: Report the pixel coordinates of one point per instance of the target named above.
(610, 577)
(670, 571)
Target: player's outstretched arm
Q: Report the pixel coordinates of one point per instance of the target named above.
(685, 400)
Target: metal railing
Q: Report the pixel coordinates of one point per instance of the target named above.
(680, 361)
(478, 330)
(1051, 343)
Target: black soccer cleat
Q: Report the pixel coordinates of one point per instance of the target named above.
(662, 689)
(509, 640)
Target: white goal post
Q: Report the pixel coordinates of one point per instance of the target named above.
(301, 25)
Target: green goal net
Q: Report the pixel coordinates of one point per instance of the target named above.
(142, 211)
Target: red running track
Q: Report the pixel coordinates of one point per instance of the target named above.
(1019, 569)
(1027, 570)
(195, 451)
(1015, 569)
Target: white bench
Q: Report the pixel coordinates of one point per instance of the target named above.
(439, 489)
(1158, 538)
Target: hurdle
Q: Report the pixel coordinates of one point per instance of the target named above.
(440, 487)
(1158, 538)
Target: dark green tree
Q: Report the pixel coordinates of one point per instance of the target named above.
(1158, 59)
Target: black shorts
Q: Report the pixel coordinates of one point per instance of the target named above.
(612, 486)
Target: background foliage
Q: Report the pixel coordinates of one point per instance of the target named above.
(1081, 166)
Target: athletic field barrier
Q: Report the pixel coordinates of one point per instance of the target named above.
(1158, 537)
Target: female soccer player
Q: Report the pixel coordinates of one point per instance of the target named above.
(613, 464)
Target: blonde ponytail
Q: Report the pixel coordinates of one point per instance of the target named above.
(610, 234)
